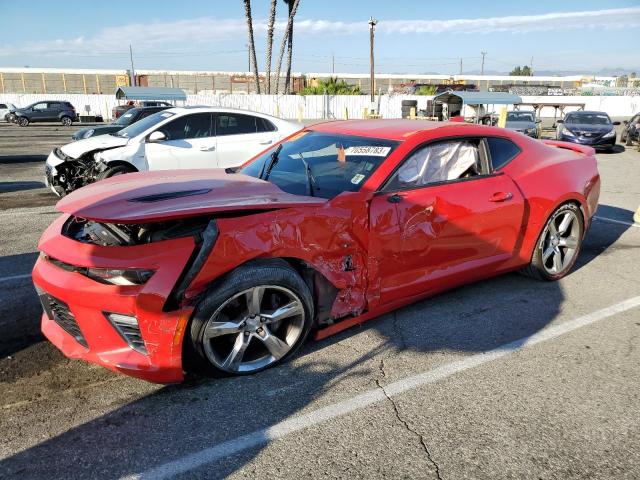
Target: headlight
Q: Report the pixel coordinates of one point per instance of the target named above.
(567, 132)
(116, 276)
(530, 131)
(88, 133)
(609, 134)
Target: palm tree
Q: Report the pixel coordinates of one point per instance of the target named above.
(252, 45)
(289, 47)
(272, 20)
(293, 6)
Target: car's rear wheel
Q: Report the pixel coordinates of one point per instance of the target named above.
(23, 121)
(559, 244)
(66, 121)
(254, 319)
(114, 171)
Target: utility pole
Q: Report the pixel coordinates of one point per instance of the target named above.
(133, 73)
(531, 67)
(482, 67)
(333, 63)
(461, 66)
(372, 26)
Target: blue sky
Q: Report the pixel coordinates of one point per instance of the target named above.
(412, 36)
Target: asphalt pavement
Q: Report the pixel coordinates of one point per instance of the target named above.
(508, 378)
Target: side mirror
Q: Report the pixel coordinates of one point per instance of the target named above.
(156, 136)
(626, 122)
(559, 121)
(538, 120)
(616, 123)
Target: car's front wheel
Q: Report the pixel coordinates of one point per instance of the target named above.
(114, 171)
(23, 121)
(558, 245)
(258, 316)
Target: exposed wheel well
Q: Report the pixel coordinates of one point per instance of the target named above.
(117, 163)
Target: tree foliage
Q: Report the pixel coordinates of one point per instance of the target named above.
(426, 90)
(331, 86)
(524, 71)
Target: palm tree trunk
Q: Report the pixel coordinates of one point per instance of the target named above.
(252, 45)
(285, 38)
(272, 20)
(287, 81)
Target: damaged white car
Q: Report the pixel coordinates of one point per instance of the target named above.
(186, 137)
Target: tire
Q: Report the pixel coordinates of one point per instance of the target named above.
(540, 267)
(209, 349)
(628, 141)
(66, 121)
(409, 103)
(23, 121)
(113, 171)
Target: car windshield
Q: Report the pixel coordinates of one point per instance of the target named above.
(588, 119)
(126, 118)
(520, 117)
(137, 128)
(321, 164)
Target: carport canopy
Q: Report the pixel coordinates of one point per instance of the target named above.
(151, 93)
(478, 98)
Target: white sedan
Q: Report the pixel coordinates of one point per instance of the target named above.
(5, 109)
(185, 137)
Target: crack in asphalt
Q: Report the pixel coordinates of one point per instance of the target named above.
(423, 443)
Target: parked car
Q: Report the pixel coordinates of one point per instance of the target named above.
(631, 130)
(523, 122)
(157, 273)
(119, 110)
(5, 110)
(185, 137)
(46, 111)
(588, 128)
(131, 116)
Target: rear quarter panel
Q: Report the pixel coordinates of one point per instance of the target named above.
(549, 175)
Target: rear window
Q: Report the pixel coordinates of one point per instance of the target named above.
(234, 124)
(265, 125)
(502, 151)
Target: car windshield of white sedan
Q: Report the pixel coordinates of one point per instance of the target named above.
(588, 119)
(140, 126)
(321, 164)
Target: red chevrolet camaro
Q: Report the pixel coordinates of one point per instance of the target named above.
(161, 273)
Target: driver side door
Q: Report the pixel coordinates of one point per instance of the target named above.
(189, 143)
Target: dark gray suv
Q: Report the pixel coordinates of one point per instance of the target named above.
(46, 111)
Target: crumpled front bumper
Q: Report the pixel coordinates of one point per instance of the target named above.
(87, 302)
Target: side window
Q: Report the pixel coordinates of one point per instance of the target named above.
(40, 106)
(53, 105)
(234, 124)
(265, 125)
(438, 162)
(3, 106)
(197, 125)
(501, 151)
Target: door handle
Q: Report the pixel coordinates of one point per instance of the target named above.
(266, 142)
(395, 198)
(501, 197)
(207, 149)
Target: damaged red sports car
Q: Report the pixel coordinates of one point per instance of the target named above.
(161, 273)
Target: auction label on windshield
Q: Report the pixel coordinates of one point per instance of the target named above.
(369, 151)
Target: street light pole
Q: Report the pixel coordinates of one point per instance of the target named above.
(482, 67)
(372, 26)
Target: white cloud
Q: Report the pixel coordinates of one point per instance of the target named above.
(204, 32)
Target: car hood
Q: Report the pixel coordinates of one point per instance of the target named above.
(99, 142)
(582, 127)
(520, 125)
(171, 194)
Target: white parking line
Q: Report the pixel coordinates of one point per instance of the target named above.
(620, 222)
(15, 277)
(18, 211)
(279, 430)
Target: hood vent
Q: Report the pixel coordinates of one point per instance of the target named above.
(158, 197)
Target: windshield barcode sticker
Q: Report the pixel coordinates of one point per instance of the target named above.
(369, 151)
(357, 179)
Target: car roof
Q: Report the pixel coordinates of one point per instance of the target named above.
(589, 112)
(207, 109)
(389, 129)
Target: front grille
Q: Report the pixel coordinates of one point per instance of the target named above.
(59, 312)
